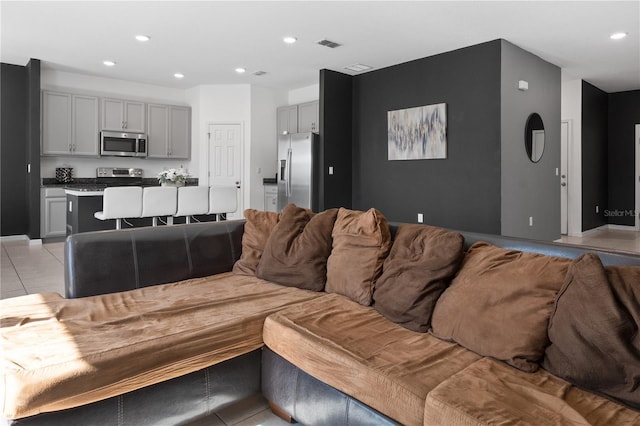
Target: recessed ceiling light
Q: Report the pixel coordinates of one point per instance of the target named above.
(289, 40)
(240, 70)
(178, 75)
(618, 36)
(109, 63)
(142, 37)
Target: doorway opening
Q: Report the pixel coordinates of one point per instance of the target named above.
(637, 185)
(565, 136)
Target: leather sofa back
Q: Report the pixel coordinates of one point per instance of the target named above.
(111, 261)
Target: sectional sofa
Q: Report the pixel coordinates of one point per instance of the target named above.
(336, 318)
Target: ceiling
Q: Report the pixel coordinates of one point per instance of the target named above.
(207, 40)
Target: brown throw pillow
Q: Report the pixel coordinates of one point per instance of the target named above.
(500, 302)
(595, 342)
(422, 262)
(257, 229)
(297, 250)
(361, 242)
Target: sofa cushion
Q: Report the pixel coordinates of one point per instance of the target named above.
(102, 346)
(421, 263)
(359, 352)
(257, 228)
(296, 252)
(490, 392)
(595, 342)
(361, 242)
(500, 302)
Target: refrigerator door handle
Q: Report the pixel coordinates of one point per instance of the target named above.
(289, 156)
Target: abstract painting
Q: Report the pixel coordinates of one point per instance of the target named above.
(418, 133)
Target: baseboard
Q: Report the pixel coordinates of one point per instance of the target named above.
(21, 238)
(622, 227)
(14, 238)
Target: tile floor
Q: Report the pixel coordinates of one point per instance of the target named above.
(610, 239)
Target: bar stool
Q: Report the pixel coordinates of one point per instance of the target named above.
(159, 201)
(223, 200)
(192, 200)
(120, 202)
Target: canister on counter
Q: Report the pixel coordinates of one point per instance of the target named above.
(64, 174)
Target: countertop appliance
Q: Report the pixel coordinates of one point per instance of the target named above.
(297, 170)
(118, 176)
(121, 144)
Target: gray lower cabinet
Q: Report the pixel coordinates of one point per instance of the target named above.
(271, 198)
(169, 131)
(69, 124)
(53, 212)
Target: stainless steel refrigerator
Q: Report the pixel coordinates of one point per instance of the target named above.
(297, 170)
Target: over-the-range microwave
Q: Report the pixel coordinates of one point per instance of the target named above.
(121, 144)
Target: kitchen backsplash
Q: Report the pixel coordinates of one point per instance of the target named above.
(86, 167)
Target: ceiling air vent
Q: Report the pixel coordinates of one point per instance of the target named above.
(258, 73)
(358, 68)
(328, 43)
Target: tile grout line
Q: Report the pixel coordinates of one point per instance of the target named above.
(15, 269)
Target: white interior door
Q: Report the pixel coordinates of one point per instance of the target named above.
(564, 181)
(225, 160)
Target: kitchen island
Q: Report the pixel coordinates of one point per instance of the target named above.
(82, 203)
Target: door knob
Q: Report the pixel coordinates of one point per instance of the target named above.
(563, 184)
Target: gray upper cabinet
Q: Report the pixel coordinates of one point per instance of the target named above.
(308, 117)
(56, 123)
(123, 115)
(69, 124)
(169, 131)
(287, 119)
(85, 126)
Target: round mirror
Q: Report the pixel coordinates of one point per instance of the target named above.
(534, 137)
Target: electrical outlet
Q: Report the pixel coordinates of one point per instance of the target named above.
(420, 218)
(597, 209)
(530, 220)
(330, 170)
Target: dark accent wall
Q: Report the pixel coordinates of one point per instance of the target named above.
(20, 146)
(33, 146)
(14, 217)
(335, 140)
(594, 156)
(462, 191)
(624, 114)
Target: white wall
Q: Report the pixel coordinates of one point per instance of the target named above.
(229, 103)
(571, 109)
(85, 167)
(304, 94)
(263, 144)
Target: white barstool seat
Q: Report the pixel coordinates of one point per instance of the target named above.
(159, 201)
(192, 200)
(223, 200)
(120, 202)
